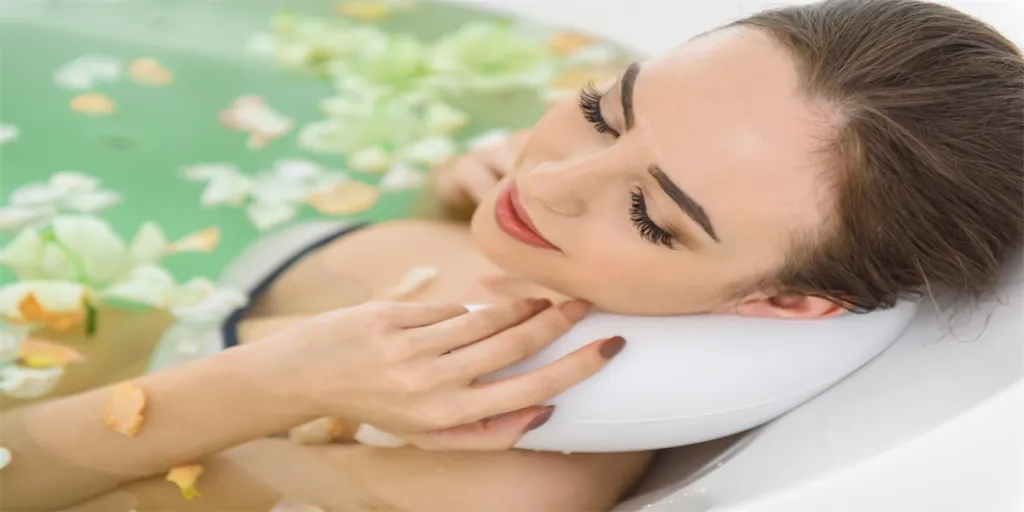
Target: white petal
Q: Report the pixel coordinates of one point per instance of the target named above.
(401, 177)
(53, 296)
(14, 218)
(204, 172)
(372, 436)
(213, 309)
(23, 382)
(149, 285)
(8, 133)
(91, 240)
(226, 189)
(487, 139)
(36, 194)
(11, 339)
(191, 293)
(430, 151)
(442, 118)
(23, 252)
(91, 202)
(327, 181)
(5, 457)
(73, 78)
(268, 188)
(103, 67)
(371, 159)
(204, 240)
(54, 264)
(149, 244)
(264, 45)
(268, 215)
(73, 181)
(297, 170)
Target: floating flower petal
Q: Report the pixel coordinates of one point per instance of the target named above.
(345, 198)
(402, 177)
(252, 115)
(185, 478)
(205, 240)
(149, 285)
(268, 215)
(150, 72)
(93, 103)
(123, 412)
(8, 133)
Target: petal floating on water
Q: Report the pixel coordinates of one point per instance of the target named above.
(185, 478)
(402, 177)
(37, 353)
(149, 71)
(346, 198)
(268, 215)
(22, 382)
(204, 240)
(93, 104)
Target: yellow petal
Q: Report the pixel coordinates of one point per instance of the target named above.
(205, 240)
(185, 478)
(36, 353)
(566, 43)
(150, 72)
(123, 410)
(364, 10)
(92, 103)
(48, 298)
(345, 198)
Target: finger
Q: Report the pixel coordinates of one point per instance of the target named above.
(463, 330)
(489, 434)
(510, 346)
(421, 314)
(513, 393)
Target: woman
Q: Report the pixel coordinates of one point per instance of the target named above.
(798, 163)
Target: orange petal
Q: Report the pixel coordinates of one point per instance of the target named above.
(205, 240)
(92, 103)
(32, 312)
(150, 72)
(566, 43)
(345, 198)
(185, 478)
(123, 411)
(38, 353)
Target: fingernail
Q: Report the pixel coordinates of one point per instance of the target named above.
(540, 419)
(611, 347)
(538, 304)
(575, 310)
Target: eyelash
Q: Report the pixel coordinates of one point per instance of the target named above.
(647, 228)
(590, 104)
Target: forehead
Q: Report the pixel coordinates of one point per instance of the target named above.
(724, 117)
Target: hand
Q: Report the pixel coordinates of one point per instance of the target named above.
(464, 181)
(411, 368)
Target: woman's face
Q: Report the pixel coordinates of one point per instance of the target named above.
(688, 176)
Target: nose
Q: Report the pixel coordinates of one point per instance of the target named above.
(566, 186)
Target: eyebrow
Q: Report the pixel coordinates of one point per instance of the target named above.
(686, 203)
(626, 86)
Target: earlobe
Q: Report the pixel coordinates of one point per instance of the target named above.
(789, 306)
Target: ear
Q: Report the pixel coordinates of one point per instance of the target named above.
(788, 306)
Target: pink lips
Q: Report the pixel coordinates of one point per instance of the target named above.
(513, 219)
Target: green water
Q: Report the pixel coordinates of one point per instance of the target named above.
(139, 150)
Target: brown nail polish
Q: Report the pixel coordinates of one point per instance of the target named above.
(611, 347)
(540, 419)
(575, 310)
(538, 304)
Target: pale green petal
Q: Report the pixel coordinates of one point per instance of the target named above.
(55, 264)
(191, 293)
(23, 253)
(371, 159)
(269, 215)
(90, 202)
(401, 177)
(93, 244)
(430, 151)
(149, 244)
(74, 182)
(442, 118)
(229, 189)
(53, 296)
(24, 382)
(149, 285)
(11, 339)
(36, 194)
(13, 218)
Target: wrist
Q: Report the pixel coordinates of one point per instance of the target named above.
(267, 375)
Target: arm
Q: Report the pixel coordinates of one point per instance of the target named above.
(63, 452)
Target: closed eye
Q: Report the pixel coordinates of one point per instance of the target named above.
(590, 104)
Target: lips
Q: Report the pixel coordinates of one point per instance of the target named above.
(513, 219)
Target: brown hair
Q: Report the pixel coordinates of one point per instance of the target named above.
(928, 151)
